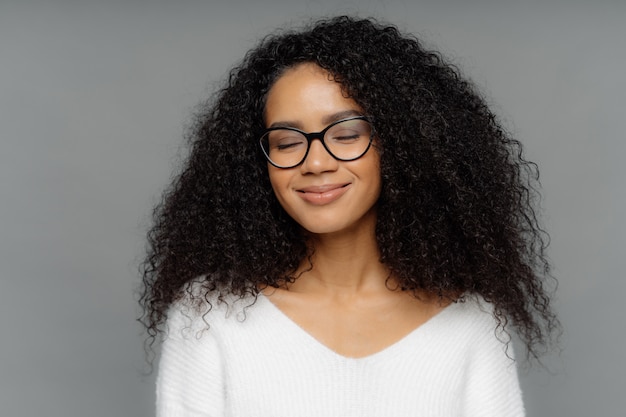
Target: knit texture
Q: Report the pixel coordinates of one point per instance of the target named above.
(252, 360)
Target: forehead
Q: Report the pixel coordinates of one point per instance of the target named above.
(306, 94)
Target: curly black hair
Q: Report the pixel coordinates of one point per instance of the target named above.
(457, 194)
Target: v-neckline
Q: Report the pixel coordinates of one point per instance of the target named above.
(388, 350)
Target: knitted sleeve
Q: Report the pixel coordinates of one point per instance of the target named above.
(190, 376)
(493, 387)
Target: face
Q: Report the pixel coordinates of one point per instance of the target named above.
(322, 194)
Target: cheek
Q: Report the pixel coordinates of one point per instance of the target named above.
(279, 181)
(375, 181)
(273, 176)
(374, 169)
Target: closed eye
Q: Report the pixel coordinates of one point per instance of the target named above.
(285, 146)
(347, 137)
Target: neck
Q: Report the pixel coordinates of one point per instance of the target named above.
(343, 263)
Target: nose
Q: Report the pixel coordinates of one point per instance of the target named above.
(318, 159)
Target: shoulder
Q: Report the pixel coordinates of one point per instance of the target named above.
(471, 312)
(471, 325)
(199, 310)
(491, 381)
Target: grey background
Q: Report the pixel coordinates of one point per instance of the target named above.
(95, 96)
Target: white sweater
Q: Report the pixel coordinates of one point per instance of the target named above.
(257, 362)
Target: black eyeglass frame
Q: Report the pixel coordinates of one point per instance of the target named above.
(317, 135)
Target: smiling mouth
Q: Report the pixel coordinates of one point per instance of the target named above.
(319, 189)
(323, 194)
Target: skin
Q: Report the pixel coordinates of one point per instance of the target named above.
(347, 300)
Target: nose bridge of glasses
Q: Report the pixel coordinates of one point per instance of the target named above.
(312, 154)
(310, 137)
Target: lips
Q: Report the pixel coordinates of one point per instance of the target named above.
(323, 194)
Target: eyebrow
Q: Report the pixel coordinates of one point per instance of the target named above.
(326, 120)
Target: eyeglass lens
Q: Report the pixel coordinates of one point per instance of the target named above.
(345, 140)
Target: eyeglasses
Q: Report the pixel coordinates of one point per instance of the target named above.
(345, 140)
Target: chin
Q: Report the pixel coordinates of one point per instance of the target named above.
(333, 227)
(320, 229)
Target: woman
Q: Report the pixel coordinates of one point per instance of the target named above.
(352, 235)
